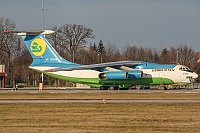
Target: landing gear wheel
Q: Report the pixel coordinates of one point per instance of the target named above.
(123, 88)
(164, 88)
(116, 88)
(103, 88)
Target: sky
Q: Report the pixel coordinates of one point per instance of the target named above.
(147, 23)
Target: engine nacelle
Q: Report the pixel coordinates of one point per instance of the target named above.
(114, 75)
(135, 74)
(121, 74)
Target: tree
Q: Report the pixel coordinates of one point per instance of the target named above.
(155, 57)
(173, 55)
(8, 47)
(165, 56)
(94, 47)
(91, 54)
(74, 37)
(55, 39)
(149, 55)
(186, 55)
(141, 55)
(112, 53)
(101, 51)
(7, 40)
(130, 52)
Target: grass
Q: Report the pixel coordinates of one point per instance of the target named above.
(80, 117)
(99, 117)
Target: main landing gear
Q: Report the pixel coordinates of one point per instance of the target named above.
(112, 88)
(104, 88)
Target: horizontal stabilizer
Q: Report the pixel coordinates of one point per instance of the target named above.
(24, 33)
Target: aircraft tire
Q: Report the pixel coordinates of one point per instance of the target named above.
(123, 88)
(103, 88)
(164, 88)
(116, 88)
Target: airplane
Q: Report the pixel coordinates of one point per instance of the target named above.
(119, 75)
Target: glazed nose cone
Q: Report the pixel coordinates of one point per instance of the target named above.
(195, 75)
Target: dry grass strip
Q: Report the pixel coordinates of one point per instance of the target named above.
(98, 118)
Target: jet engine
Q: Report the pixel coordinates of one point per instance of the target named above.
(114, 75)
(135, 74)
(121, 74)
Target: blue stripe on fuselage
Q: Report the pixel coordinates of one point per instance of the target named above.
(148, 65)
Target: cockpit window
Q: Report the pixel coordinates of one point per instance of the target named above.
(185, 69)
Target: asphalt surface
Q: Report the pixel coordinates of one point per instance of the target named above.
(94, 90)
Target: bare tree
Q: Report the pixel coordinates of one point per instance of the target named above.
(7, 41)
(186, 55)
(112, 53)
(130, 52)
(156, 57)
(173, 55)
(74, 37)
(8, 46)
(56, 38)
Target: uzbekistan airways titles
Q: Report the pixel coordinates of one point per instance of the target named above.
(165, 69)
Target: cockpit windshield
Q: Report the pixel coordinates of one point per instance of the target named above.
(185, 69)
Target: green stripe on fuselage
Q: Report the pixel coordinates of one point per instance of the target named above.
(139, 81)
(96, 82)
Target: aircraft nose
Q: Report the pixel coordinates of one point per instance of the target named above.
(195, 75)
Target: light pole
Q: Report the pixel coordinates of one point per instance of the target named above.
(42, 14)
(42, 29)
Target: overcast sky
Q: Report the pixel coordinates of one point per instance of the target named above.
(149, 23)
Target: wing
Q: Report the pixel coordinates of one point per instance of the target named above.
(99, 66)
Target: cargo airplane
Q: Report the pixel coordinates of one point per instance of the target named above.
(118, 75)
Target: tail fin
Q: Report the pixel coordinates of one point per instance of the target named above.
(42, 52)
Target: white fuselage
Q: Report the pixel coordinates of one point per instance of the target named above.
(176, 74)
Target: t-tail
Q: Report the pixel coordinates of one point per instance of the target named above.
(42, 52)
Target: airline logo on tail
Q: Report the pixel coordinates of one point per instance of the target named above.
(38, 47)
